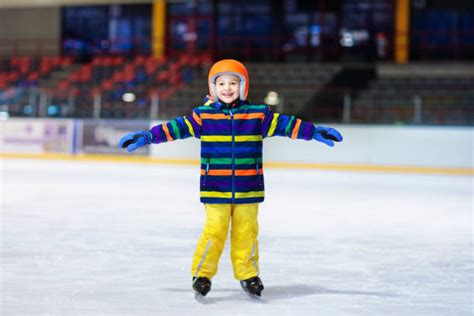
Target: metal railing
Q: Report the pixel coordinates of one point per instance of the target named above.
(417, 110)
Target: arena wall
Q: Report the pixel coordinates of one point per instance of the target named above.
(22, 28)
(49, 3)
(363, 147)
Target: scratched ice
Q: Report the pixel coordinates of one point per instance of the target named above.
(92, 238)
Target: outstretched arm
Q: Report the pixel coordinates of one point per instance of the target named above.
(178, 128)
(276, 124)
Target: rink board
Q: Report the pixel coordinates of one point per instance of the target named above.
(390, 148)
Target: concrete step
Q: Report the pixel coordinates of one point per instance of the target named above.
(58, 75)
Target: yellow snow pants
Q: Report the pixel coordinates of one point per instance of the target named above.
(244, 244)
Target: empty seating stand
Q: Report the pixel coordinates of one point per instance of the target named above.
(418, 94)
(296, 84)
(74, 89)
(409, 94)
(21, 77)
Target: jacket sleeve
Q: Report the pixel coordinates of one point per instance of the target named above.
(178, 128)
(276, 124)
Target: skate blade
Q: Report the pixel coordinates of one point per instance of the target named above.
(199, 297)
(255, 298)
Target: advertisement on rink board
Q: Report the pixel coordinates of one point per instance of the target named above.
(102, 137)
(37, 136)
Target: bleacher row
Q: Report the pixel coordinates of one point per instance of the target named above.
(73, 88)
(442, 100)
(27, 71)
(295, 83)
(395, 95)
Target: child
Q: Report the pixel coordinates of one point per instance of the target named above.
(231, 131)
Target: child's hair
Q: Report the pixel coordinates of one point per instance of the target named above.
(229, 67)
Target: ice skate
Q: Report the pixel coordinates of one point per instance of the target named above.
(253, 287)
(201, 287)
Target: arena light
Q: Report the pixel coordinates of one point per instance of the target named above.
(347, 40)
(27, 109)
(4, 115)
(53, 110)
(128, 97)
(272, 98)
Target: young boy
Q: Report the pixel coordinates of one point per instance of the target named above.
(231, 131)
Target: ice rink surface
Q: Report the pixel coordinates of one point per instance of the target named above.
(95, 238)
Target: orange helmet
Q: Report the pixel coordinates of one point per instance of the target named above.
(229, 67)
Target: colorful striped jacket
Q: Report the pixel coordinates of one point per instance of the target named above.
(231, 146)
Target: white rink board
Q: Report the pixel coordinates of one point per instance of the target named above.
(90, 238)
(366, 145)
(450, 147)
(37, 136)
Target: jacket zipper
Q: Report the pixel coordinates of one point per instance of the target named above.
(233, 155)
(207, 171)
(258, 175)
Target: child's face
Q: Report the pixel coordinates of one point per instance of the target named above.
(228, 88)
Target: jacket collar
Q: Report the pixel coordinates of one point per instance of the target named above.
(220, 105)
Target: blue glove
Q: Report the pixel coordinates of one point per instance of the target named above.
(327, 135)
(135, 140)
